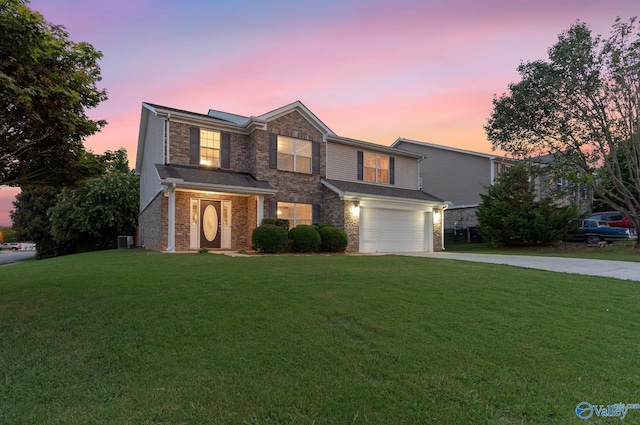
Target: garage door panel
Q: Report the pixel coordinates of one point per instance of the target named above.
(388, 230)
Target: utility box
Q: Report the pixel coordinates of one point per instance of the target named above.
(125, 242)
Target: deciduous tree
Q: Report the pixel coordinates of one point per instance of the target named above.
(581, 105)
(47, 82)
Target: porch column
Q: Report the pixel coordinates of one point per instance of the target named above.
(171, 219)
(260, 212)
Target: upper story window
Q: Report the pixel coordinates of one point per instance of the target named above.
(209, 148)
(376, 168)
(294, 154)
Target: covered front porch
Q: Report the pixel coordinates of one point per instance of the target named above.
(209, 208)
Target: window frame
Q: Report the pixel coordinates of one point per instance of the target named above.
(217, 159)
(294, 220)
(295, 154)
(377, 169)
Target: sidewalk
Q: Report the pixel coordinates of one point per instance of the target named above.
(617, 269)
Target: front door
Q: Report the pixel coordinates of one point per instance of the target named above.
(210, 224)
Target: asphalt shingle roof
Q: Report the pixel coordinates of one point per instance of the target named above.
(382, 191)
(210, 177)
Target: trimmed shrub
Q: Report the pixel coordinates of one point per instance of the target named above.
(304, 238)
(321, 225)
(333, 239)
(280, 222)
(269, 238)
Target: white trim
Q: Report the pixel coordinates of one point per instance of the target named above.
(388, 205)
(260, 207)
(304, 111)
(459, 207)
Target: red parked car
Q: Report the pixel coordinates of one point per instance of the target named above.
(613, 218)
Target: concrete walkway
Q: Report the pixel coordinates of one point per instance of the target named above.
(605, 268)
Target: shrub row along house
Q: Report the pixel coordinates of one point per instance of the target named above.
(207, 180)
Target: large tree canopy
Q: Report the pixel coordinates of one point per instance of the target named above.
(46, 84)
(581, 105)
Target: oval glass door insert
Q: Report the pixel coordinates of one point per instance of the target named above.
(210, 223)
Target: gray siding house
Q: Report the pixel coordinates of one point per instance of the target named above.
(460, 174)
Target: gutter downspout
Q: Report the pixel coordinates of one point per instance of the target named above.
(168, 137)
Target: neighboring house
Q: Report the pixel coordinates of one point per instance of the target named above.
(567, 191)
(460, 174)
(207, 180)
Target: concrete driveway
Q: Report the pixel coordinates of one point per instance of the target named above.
(605, 268)
(7, 257)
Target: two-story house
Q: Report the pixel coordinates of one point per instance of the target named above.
(462, 174)
(207, 180)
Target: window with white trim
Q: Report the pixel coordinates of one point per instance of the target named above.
(296, 213)
(210, 148)
(294, 154)
(375, 168)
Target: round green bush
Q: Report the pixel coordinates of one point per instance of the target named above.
(333, 239)
(269, 238)
(304, 238)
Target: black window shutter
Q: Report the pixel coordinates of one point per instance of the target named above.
(225, 150)
(273, 151)
(273, 209)
(392, 179)
(315, 213)
(315, 158)
(360, 165)
(194, 145)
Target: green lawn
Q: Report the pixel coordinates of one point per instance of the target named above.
(136, 337)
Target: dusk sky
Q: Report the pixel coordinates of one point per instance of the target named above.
(372, 70)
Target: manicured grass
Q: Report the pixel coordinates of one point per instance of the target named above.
(135, 337)
(620, 251)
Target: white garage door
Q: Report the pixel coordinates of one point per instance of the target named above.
(387, 230)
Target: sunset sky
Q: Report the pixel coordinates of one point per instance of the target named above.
(372, 70)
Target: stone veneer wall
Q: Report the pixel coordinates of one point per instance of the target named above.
(352, 226)
(437, 234)
(149, 221)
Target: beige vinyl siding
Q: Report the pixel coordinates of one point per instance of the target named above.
(153, 154)
(342, 164)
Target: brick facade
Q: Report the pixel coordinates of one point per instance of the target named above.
(249, 153)
(243, 218)
(292, 187)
